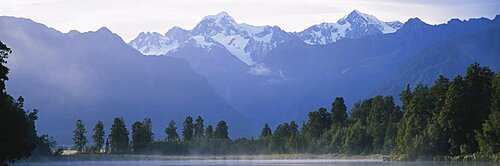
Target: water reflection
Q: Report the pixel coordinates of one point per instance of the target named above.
(314, 162)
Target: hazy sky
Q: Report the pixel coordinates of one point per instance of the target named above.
(127, 18)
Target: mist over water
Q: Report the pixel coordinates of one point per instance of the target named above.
(306, 162)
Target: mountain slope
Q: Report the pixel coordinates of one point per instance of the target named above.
(96, 76)
(449, 58)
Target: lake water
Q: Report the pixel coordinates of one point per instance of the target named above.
(247, 162)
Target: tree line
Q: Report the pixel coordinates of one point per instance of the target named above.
(142, 137)
(451, 118)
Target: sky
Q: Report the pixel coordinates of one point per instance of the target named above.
(128, 18)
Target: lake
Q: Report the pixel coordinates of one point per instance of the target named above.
(309, 162)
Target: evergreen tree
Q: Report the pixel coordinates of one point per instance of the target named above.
(415, 120)
(406, 97)
(119, 139)
(452, 117)
(142, 135)
(17, 138)
(438, 144)
(279, 138)
(490, 134)
(221, 131)
(359, 112)
(266, 132)
(357, 141)
(209, 132)
(199, 128)
(478, 96)
(339, 113)
(171, 132)
(79, 138)
(98, 136)
(187, 131)
(319, 122)
(293, 142)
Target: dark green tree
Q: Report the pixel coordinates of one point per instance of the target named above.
(209, 132)
(357, 140)
(119, 140)
(171, 132)
(187, 131)
(319, 122)
(490, 134)
(478, 94)
(199, 128)
(16, 140)
(79, 138)
(339, 113)
(294, 142)
(415, 120)
(266, 132)
(279, 138)
(221, 131)
(142, 135)
(438, 143)
(406, 97)
(98, 136)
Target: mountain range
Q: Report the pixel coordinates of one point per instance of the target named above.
(221, 69)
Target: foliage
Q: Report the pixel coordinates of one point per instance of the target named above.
(187, 131)
(98, 136)
(171, 132)
(142, 135)
(79, 138)
(118, 139)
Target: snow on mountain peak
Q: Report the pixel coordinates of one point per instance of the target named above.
(244, 41)
(250, 43)
(355, 25)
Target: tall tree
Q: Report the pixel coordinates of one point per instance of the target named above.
(209, 132)
(142, 135)
(319, 122)
(438, 143)
(339, 113)
(98, 136)
(405, 97)
(187, 131)
(490, 134)
(415, 120)
(16, 139)
(279, 138)
(266, 132)
(478, 94)
(171, 132)
(199, 128)
(79, 138)
(221, 131)
(119, 139)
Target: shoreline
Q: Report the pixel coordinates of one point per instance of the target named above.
(125, 157)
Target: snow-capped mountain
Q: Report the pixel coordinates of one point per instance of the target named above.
(354, 25)
(251, 44)
(156, 44)
(247, 42)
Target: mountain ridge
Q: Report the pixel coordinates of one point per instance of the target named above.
(251, 43)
